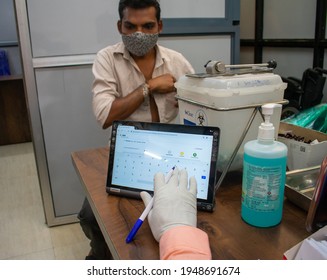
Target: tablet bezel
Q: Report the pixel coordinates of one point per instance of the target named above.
(202, 204)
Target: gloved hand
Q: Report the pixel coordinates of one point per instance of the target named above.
(174, 203)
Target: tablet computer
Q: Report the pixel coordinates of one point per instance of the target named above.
(138, 150)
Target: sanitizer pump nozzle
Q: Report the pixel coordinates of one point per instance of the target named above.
(266, 129)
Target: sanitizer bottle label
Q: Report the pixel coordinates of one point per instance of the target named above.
(262, 184)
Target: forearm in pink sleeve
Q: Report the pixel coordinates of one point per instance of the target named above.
(184, 243)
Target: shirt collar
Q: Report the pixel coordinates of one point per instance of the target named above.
(160, 58)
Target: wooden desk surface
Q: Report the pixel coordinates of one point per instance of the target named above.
(230, 237)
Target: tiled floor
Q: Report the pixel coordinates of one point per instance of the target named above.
(23, 232)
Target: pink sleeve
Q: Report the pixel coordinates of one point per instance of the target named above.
(184, 243)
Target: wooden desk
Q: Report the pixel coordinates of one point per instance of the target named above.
(230, 237)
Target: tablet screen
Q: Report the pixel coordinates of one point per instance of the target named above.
(139, 150)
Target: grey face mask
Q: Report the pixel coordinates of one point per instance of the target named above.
(140, 43)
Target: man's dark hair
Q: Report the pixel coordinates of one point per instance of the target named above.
(138, 4)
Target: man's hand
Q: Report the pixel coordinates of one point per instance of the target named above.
(174, 203)
(162, 84)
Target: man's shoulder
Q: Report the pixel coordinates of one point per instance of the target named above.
(116, 48)
(173, 56)
(169, 52)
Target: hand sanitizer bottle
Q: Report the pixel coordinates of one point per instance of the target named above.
(264, 172)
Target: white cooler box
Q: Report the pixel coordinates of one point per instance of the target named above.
(211, 102)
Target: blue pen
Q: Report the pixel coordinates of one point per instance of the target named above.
(145, 213)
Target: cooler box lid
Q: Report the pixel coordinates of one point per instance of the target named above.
(241, 89)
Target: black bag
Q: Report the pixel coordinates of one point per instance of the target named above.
(313, 83)
(305, 93)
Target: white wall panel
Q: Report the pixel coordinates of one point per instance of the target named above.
(70, 27)
(192, 8)
(200, 49)
(289, 19)
(65, 101)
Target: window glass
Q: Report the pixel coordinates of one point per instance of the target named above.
(247, 22)
(289, 19)
(290, 61)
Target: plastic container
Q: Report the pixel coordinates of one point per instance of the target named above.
(264, 173)
(218, 101)
(4, 64)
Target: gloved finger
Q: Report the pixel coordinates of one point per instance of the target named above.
(175, 172)
(183, 179)
(193, 186)
(173, 181)
(146, 198)
(159, 180)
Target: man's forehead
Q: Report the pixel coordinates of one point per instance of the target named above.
(130, 14)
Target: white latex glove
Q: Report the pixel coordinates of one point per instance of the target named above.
(174, 203)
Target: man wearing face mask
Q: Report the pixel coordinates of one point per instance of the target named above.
(133, 80)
